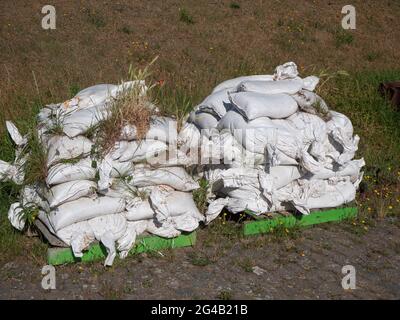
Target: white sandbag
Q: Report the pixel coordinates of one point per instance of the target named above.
(121, 169)
(15, 216)
(48, 112)
(164, 230)
(138, 151)
(254, 105)
(312, 130)
(279, 177)
(163, 129)
(249, 198)
(214, 209)
(185, 222)
(78, 235)
(340, 129)
(310, 126)
(81, 121)
(109, 168)
(310, 83)
(321, 194)
(259, 133)
(231, 84)
(18, 139)
(127, 240)
(189, 137)
(160, 128)
(271, 87)
(271, 141)
(84, 209)
(173, 203)
(234, 155)
(275, 179)
(64, 148)
(175, 177)
(65, 172)
(172, 157)
(99, 94)
(69, 191)
(139, 209)
(203, 120)
(287, 70)
(350, 169)
(233, 120)
(7, 171)
(108, 229)
(15, 171)
(216, 103)
(30, 197)
(342, 122)
(92, 96)
(310, 102)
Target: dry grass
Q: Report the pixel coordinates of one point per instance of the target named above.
(131, 108)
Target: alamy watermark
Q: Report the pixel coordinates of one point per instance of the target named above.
(349, 20)
(49, 20)
(49, 279)
(349, 280)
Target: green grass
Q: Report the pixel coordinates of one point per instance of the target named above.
(343, 37)
(200, 196)
(185, 17)
(234, 5)
(95, 18)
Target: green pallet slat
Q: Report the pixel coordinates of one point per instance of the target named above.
(57, 256)
(265, 225)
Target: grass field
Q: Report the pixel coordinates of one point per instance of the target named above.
(199, 45)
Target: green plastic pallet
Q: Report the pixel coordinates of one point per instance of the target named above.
(57, 256)
(266, 225)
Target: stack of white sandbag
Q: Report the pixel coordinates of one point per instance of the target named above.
(269, 143)
(111, 198)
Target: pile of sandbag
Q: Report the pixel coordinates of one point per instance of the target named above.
(269, 143)
(114, 197)
(264, 143)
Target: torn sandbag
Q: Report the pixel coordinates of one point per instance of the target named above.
(15, 216)
(285, 71)
(127, 240)
(311, 103)
(108, 229)
(18, 139)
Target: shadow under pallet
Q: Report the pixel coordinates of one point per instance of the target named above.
(58, 256)
(266, 225)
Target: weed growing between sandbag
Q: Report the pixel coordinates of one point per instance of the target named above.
(132, 109)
